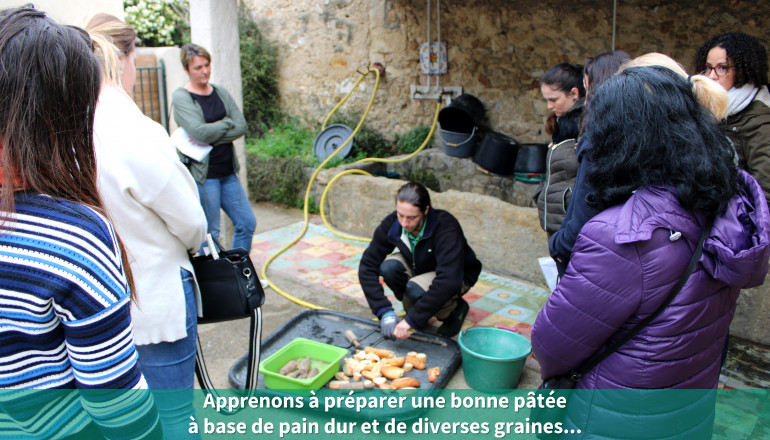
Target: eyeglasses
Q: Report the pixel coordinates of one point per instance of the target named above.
(720, 69)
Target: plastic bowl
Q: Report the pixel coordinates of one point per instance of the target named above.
(493, 358)
(325, 357)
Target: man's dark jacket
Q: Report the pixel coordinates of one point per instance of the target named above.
(442, 248)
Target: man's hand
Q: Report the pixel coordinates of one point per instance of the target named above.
(402, 330)
(388, 324)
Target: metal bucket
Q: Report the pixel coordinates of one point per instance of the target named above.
(459, 125)
(459, 144)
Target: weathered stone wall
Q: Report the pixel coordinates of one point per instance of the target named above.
(462, 174)
(506, 238)
(497, 49)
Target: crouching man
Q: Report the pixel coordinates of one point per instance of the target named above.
(432, 268)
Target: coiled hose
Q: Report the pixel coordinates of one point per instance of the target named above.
(306, 204)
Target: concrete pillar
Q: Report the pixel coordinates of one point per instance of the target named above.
(214, 25)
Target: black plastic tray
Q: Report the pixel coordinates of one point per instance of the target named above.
(329, 327)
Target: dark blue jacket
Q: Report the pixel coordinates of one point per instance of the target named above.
(578, 212)
(442, 248)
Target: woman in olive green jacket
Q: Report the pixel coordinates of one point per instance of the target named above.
(739, 63)
(209, 115)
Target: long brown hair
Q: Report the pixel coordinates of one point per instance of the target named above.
(49, 88)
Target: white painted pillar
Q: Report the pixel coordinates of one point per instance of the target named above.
(214, 25)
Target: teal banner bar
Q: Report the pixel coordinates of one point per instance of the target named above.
(450, 414)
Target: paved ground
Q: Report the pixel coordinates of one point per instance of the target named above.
(225, 343)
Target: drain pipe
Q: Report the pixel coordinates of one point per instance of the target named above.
(614, 20)
(438, 45)
(430, 47)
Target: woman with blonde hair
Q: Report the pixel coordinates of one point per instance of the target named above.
(709, 93)
(154, 203)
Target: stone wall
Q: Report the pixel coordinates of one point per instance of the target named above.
(462, 174)
(497, 49)
(506, 238)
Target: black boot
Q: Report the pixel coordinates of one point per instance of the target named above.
(454, 322)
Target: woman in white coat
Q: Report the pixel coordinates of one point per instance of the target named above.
(153, 202)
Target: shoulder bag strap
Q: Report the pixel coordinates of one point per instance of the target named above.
(596, 360)
(255, 336)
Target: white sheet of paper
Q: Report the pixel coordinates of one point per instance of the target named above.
(188, 146)
(548, 266)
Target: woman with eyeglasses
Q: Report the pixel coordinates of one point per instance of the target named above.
(738, 62)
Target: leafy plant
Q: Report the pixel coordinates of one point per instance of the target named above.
(410, 141)
(259, 73)
(428, 179)
(368, 142)
(277, 179)
(159, 22)
(285, 140)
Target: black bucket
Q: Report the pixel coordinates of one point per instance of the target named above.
(531, 159)
(497, 153)
(460, 123)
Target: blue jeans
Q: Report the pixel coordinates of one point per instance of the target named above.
(169, 368)
(228, 194)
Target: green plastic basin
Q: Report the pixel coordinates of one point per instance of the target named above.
(325, 357)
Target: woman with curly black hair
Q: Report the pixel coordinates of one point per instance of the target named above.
(662, 174)
(739, 63)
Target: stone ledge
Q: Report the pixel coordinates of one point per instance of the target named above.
(358, 204)
(462, 174)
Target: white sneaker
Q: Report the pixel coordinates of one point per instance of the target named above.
(264, 283)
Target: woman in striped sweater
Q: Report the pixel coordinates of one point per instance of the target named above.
(64, 282)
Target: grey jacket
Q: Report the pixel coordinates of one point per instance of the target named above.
(189, 115)
(553, 195)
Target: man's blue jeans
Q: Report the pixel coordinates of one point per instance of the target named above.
(228, 194)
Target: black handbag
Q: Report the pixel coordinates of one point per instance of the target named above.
(230, 289)
(567, 382)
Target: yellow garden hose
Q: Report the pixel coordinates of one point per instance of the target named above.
(306, 214)
(357, 171)
(305, 211)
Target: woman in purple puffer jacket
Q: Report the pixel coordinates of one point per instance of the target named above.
(661, 169)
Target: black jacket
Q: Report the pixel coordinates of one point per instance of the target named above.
(442, 248)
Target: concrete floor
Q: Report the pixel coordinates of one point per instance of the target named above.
(224, 343)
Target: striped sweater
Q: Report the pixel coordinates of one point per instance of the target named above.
(65, 324)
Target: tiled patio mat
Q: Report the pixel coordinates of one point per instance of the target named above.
(328, 263)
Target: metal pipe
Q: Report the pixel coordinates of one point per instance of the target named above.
(438, 45)
(614, 20)
(430, 48)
